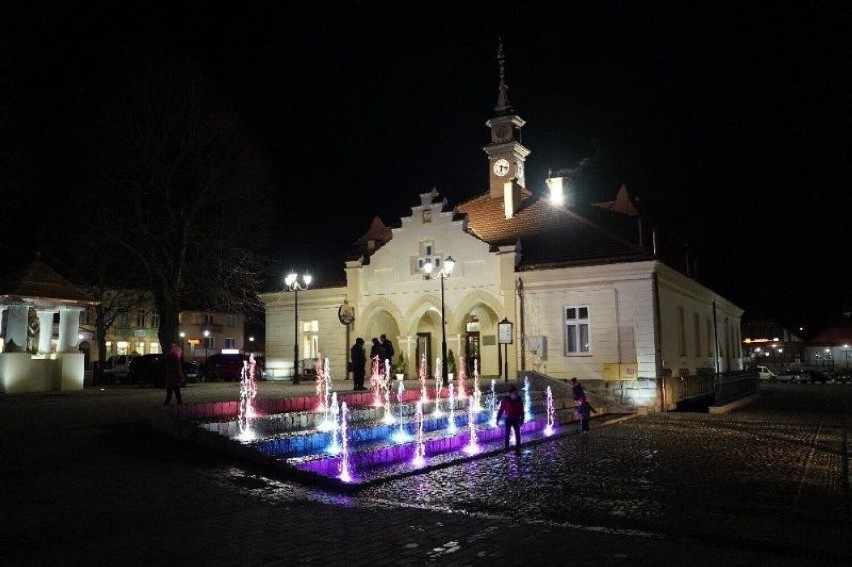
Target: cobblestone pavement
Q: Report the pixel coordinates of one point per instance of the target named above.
(85, 480)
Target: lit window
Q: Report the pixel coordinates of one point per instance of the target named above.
(310, 339)
(577, 340)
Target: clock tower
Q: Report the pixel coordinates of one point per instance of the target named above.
(506, 154)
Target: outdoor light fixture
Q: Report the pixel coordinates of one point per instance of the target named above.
(554, 185)
(292, 283)
(443, 273)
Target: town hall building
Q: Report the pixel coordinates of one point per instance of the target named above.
(582, 290)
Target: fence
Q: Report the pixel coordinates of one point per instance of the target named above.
(721, 387)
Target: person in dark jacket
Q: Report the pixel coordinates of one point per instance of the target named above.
(584, 410)
(577, 389)
(512, 406)
(173, 375)
(387, 347)
(359, 358)
(377, 350)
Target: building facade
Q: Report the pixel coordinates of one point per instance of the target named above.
(582, 300)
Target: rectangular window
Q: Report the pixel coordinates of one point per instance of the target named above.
(208, 319)
(155, 320)
(230, 343)
(681, 329)
(209, 342)
(310, 339)
(232, 321)
(696, 324)
(140, 319)
(577, 335)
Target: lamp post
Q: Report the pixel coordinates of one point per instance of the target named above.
(292, 283)
(443, 273)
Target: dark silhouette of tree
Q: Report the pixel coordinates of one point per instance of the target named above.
(177, 189)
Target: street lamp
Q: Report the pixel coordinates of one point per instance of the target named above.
(443, 273)
(292, 283)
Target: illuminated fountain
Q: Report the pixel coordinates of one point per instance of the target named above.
(376, 383)
(476, 394)
(548, 429)
(451, 421)
(400, 435)
(248, 392)
(422, 371)
(345, 472)
(321, 394)
(420, 446)
(527, 400)
(439, 387)
(492, 403)
(472, 447)
(327, 423)
(462, 371)
(359, 444)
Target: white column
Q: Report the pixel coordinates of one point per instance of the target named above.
(69, 329)
(17, 327)
(45, 329)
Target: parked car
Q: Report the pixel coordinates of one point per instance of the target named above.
(765, 374)
(792, 375)
(149, 370)
(229, 367)
(117, 367)
(190, 371)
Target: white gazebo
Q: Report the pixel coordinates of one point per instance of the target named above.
(40, 367)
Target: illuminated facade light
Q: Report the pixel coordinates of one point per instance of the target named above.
(554, 186)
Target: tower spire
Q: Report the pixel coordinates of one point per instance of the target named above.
(503, 107)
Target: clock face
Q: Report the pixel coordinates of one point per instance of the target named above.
(501, 167)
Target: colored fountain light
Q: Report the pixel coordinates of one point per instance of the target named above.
(492, 403)
(421, 375)
(472, 447)
(420, 447)
(451, 401)
(376, 383)
(345, 469)
(248, 392)
(335, 446)
(548, 429)
(327, 424)
(528, 413)
(462, 377)
(320, 384)
(439, 387)
(400, 435)
(477, 393)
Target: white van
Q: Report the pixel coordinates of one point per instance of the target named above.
(766, 374)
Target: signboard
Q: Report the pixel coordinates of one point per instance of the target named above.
(346, 313)
(504, 332)
(616, 371)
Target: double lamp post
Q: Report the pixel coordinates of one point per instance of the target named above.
(293, 284)
(443, 273)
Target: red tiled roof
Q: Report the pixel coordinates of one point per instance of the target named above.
(549, 235)
(838, 334)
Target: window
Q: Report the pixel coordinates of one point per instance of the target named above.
(208, 319)
(230, 343)
(155, 320)
(310, 339)
(209, 342)
(681, 329)
(696, 327)
(577, 331)
(232, 322)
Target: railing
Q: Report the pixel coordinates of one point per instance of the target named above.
(721, 387)
(735, 385)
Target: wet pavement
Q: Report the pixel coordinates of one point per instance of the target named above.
(85, 479)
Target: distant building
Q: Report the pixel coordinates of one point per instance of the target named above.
(766, 342)
(832, 348)
(585, 289)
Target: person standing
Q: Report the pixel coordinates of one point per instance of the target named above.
(377, 350)
(577, 389)
(359, 358)
(512, 406)
(173, 375)
(387, 346)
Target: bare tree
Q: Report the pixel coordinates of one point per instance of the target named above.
(178, 188)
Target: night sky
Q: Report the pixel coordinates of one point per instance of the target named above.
(730, 121)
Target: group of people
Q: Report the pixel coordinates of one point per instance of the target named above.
(382, 348)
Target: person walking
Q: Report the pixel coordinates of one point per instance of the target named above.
(173, 375)
(512, 406)
(359, 358)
